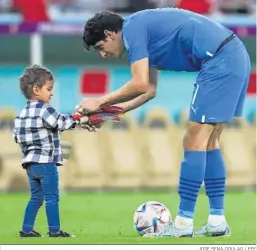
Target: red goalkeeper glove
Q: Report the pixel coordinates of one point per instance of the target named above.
(108, 112)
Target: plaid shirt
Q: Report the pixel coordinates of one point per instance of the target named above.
(37, 129)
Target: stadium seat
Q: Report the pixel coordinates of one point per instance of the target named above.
(183, 118)
(239, 155)
(84, 168)
(162, 149)
(67, 146)
(7, 116)
(252, 135)
(123, 158)
(12, 175)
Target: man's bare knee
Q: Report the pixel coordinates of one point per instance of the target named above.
(197, 136)
(214, 139)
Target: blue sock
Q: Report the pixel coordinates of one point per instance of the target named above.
(191, 178)
(215, 181)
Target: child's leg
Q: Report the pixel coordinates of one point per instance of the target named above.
(35, 202)
(50, 182)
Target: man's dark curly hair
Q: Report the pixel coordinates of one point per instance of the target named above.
(95, 27)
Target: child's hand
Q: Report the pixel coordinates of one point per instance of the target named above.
(84, 122)
(79, 118)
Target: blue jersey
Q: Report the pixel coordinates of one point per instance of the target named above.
(172, 39)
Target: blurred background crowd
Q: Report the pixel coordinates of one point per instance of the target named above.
(145, 149)
(46, 10)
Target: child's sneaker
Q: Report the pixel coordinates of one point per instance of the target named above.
(61, 234)
(32, 234)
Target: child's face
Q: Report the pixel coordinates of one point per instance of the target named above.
(44, 93)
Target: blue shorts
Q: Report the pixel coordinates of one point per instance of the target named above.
(221, 85)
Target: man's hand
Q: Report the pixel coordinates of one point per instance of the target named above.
(93, 121)
(90, 105)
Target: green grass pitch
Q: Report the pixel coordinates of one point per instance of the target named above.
(107, 218)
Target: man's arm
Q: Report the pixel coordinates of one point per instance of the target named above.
(138, 85)
(143, 98)
(135, 38)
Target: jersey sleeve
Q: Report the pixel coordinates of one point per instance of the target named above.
(135, 39)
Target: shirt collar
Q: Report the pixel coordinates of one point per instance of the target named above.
(33, 102)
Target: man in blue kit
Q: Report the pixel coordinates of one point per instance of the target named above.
(175, 39)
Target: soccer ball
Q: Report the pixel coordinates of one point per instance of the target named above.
(151, 217)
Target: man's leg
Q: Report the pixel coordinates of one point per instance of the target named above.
(215, 181)
(192, 171)
(191, 178)
(215, 177)
(35, 202)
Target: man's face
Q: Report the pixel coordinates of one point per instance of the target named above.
(111, 47)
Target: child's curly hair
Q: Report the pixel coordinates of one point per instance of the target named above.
(34, 75)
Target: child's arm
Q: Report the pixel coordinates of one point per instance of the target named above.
(52, 119)
(14, 134)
